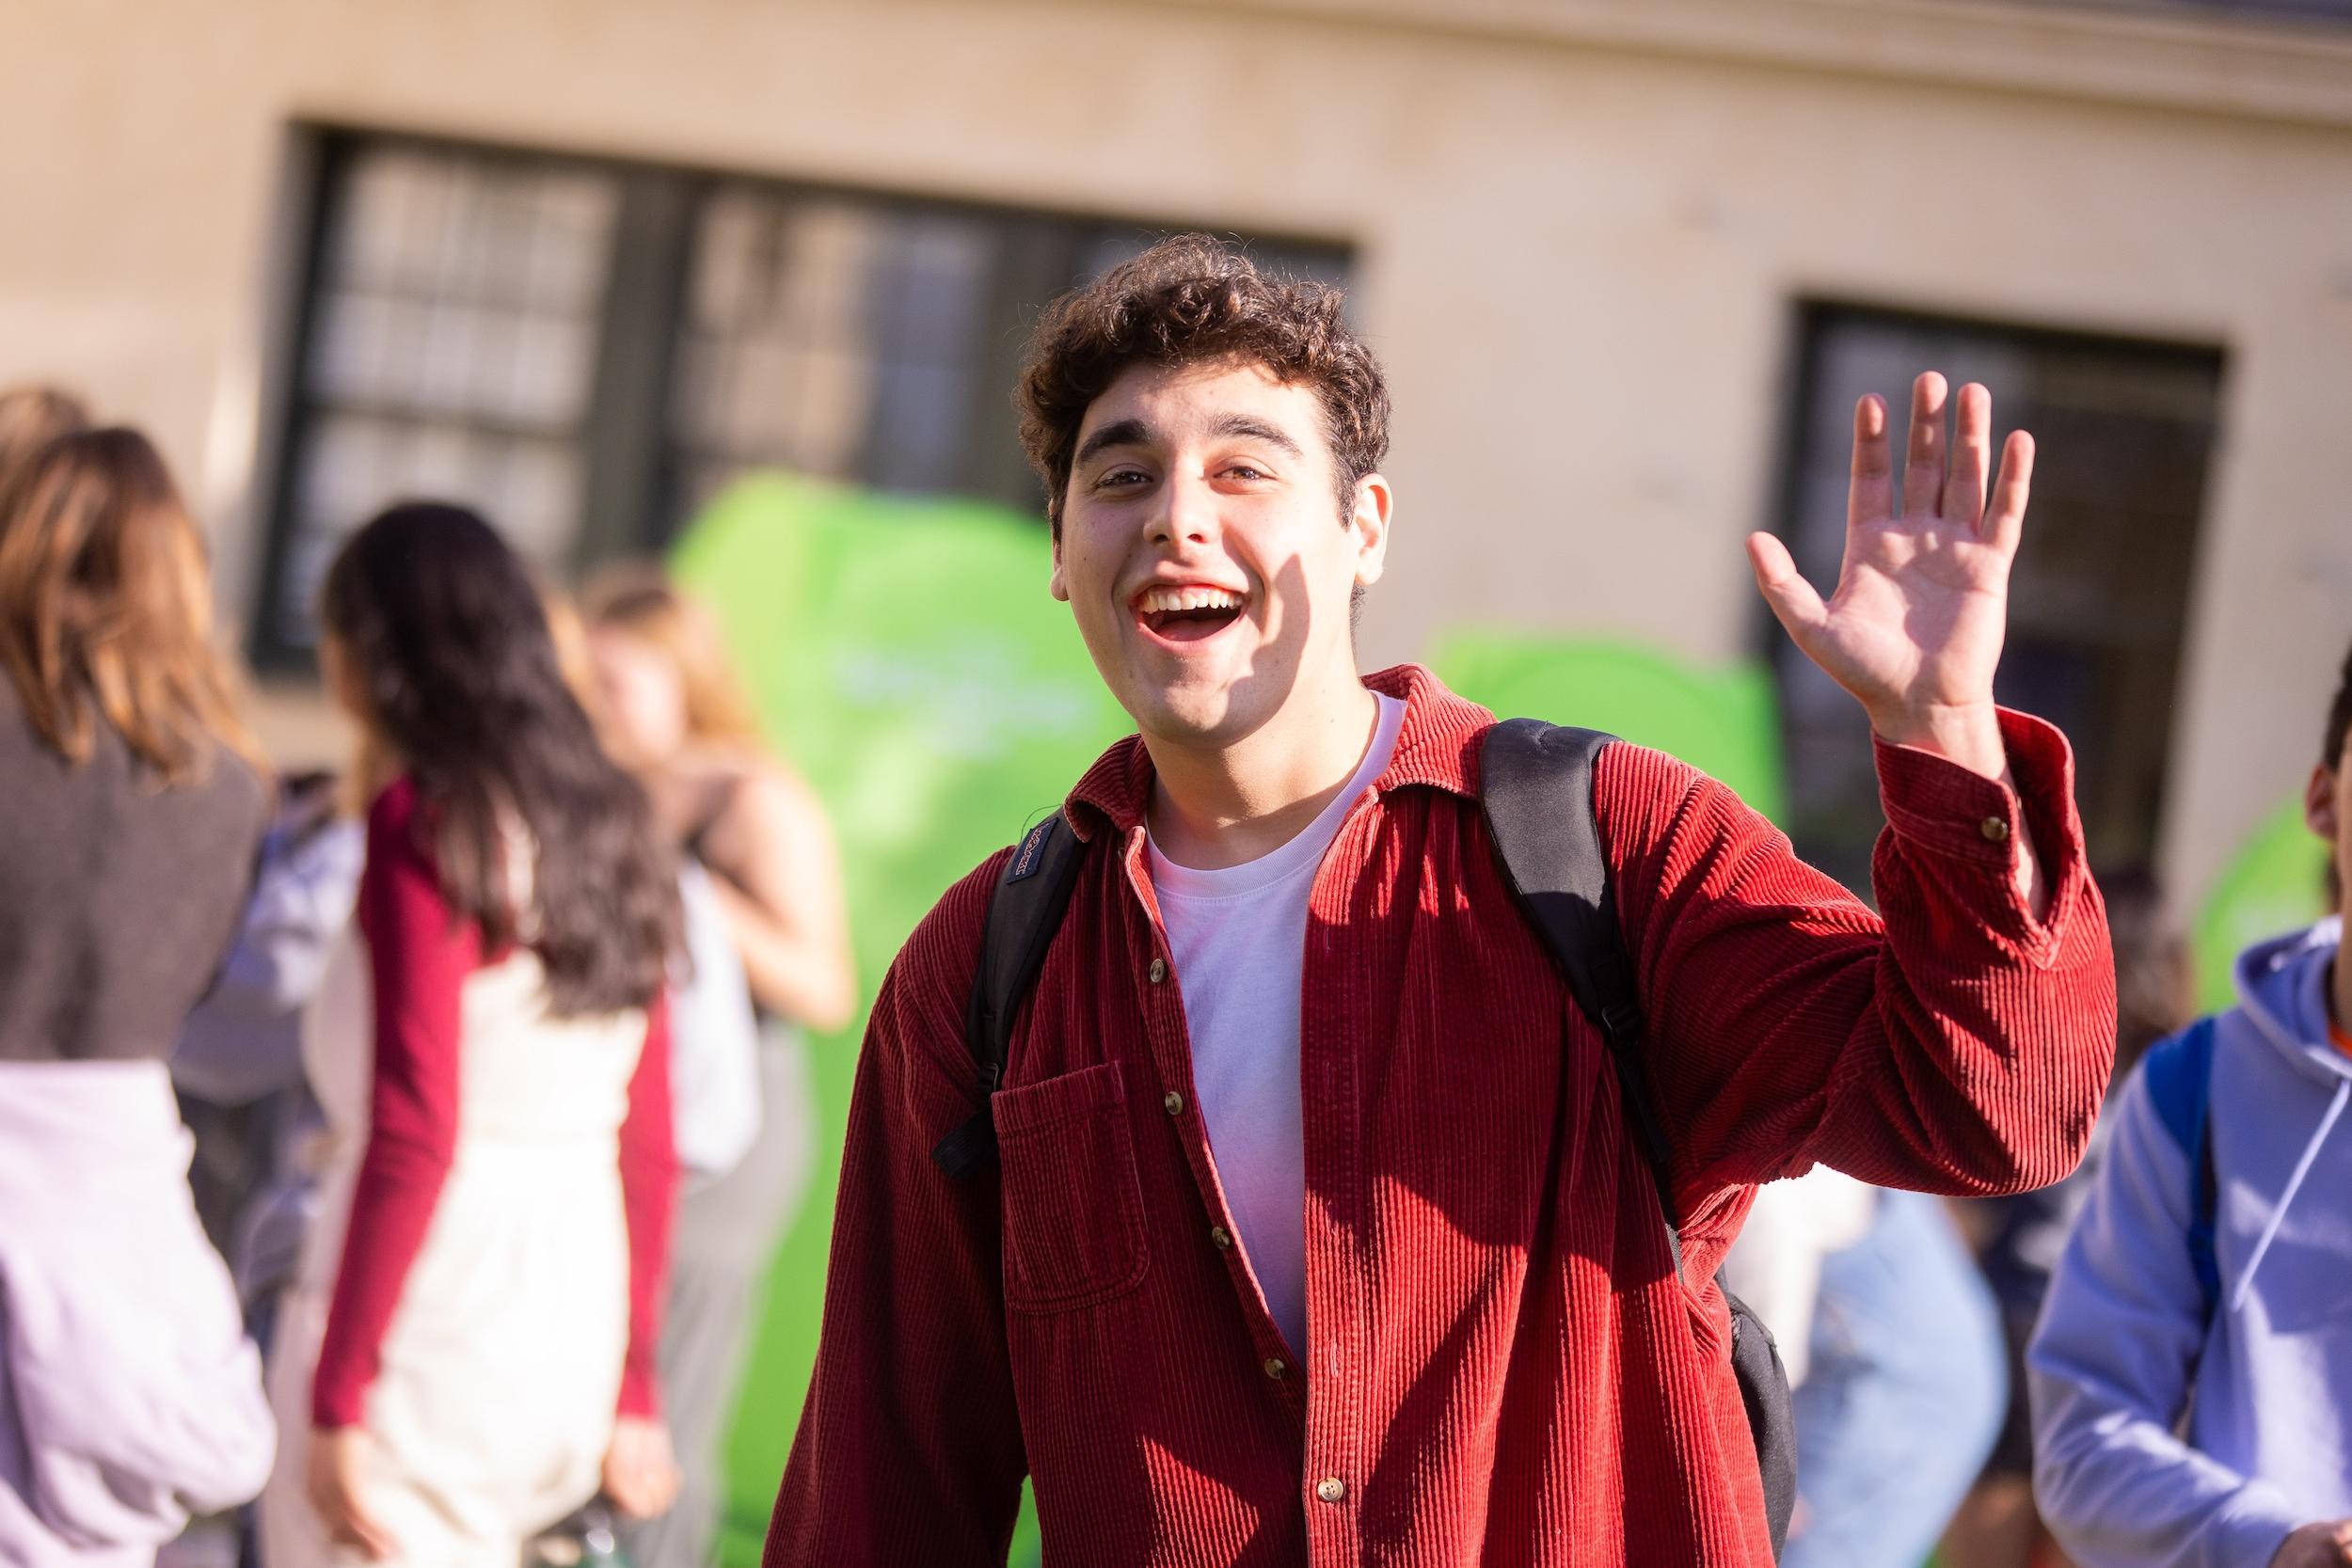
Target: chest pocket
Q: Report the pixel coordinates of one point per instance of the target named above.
(1073, 1205)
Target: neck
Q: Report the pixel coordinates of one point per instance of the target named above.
(375, 763)
(1215, 806)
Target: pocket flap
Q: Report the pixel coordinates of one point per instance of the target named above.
(1055, 1099)
(1072, 1207)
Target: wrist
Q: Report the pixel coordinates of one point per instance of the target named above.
(1968, 735)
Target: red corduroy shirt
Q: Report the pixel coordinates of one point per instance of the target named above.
(1503, 1368)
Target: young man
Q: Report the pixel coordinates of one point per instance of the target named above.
(2211, 1273)
(1315, 1233)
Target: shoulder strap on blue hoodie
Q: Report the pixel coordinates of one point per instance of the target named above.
(2180, 1085)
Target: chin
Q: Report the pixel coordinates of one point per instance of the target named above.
(1190, 702)
(1193, 715)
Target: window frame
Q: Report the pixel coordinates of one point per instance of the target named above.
(630, 449)
(1810, 318)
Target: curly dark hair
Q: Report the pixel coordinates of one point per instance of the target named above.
(1188, 299)
(447, 633)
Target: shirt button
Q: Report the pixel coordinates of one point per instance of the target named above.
(1174, 1102)
(1994, 828)
(1158, 971)
(1332, 1489)
(1275, 1368)
(1222, 1237)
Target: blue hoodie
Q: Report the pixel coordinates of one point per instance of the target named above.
(2122, 1474)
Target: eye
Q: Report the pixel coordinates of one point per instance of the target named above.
(1245, 471)
(1121, 478)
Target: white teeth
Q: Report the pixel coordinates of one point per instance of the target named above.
(1160, 601)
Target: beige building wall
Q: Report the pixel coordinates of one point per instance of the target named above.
(1580, 227)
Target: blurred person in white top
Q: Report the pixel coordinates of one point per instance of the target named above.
(673, 712)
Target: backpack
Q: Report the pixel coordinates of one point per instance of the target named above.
(1538, 797)
(2180, 1085)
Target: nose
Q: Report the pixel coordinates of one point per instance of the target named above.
(1186, 513)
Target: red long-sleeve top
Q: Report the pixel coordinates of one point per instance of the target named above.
(419, 954)
(1504, 1366)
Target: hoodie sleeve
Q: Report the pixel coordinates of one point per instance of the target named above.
(241, 1042)
(2111, 1368)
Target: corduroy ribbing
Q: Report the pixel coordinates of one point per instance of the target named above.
(1503, 1368)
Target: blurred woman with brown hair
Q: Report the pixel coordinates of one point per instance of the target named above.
(128, 1397)
(31, 418)
(676, 715)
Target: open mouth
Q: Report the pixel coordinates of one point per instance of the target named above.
(1187, 614)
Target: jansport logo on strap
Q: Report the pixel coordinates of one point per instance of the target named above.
(1032, 853)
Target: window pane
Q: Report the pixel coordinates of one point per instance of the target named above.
(778, 362)
(2099, 597)
(876, 339)
(453, 352)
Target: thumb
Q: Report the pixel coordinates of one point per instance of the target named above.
(1797, 608)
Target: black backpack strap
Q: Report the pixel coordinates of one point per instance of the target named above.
(1026, 909)
(1537, 794)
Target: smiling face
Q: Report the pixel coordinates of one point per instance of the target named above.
(642, 707)
(1206, 553)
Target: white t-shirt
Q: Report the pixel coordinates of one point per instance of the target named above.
(1239, 938)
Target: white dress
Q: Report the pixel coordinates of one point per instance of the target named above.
(494, 1399)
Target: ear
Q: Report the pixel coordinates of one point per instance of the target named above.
(2319, 803)
(1058, 583)
(1374, 504)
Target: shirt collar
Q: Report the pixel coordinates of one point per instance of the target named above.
(1438, 747)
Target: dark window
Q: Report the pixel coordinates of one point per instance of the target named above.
(450, 348)
(588, 350)
(2099, 597)
(874, 340)
(2289, 10)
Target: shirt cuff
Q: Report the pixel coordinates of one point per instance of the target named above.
(337, 1402)
(2251, 1526)
(1936, 805)
(641, 1392)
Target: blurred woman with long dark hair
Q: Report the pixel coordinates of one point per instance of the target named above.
(673, 712)
(470, 1348)
(128, 1397)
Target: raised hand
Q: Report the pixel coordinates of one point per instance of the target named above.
(1913, 628)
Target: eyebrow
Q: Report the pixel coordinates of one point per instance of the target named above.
(1135, 433)
(1253, 429)
(1119, 433)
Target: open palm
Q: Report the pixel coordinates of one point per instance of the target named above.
(1913, 628)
